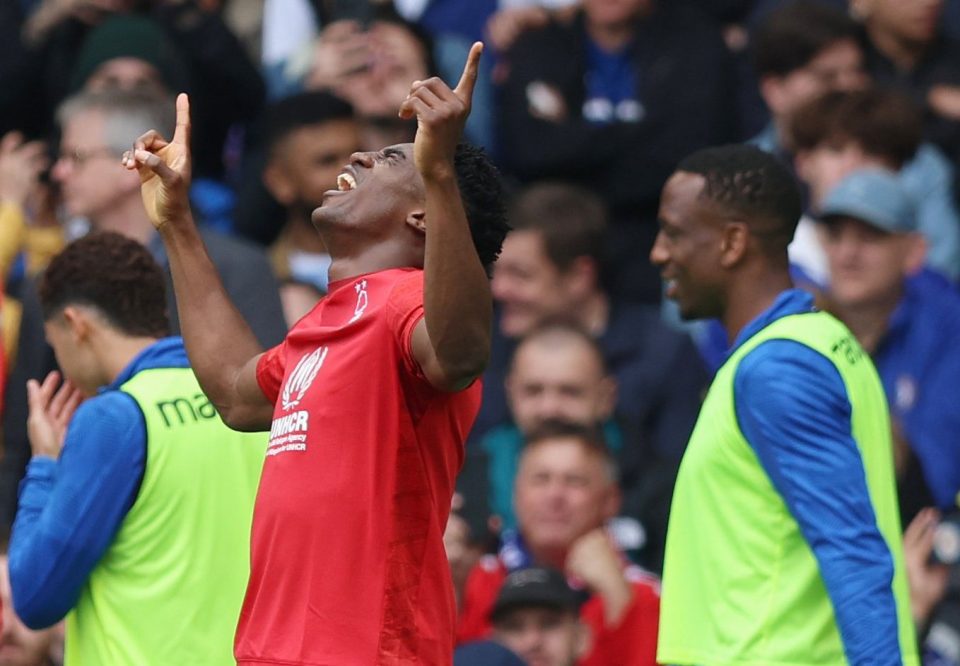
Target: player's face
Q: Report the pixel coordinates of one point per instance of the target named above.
(527, 285)
(562, 492)
(687, 248)
(867, 265)
(560, 380)
(75, 359)
(542, 636)
(20, 646)
(375, 192)
(91, 178)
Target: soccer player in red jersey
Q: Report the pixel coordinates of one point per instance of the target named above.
(368, 399)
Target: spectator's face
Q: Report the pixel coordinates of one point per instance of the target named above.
(397, 59)
(614, 12)
(823, 167)
(911, 21)
(689, 247)
(542, 636)
(306, 163)
(867, 265)
(20, 646)
(839, 66)
(562, 492)
(127, 74)
(92, 180)
(528, 286)
(381, 193)
(558, 378)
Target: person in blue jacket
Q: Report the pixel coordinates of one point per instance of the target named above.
(908, 318)
(134, 515)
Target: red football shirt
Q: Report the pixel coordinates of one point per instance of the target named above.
(347, 563)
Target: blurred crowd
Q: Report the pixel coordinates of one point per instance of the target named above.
(586, 106)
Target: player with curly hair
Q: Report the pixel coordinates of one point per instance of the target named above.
(369, 398)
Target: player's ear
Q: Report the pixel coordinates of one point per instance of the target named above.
(417, 219)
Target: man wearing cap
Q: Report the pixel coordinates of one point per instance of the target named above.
(566, 492)
(906, 317)
(537, 615)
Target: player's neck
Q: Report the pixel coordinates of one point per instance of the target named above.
(116, 351)
(751, 297)
(371, 260)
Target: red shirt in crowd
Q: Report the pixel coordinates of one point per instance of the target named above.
(632, 642)
(347, 563)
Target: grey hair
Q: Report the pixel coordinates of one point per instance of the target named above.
(127, 114)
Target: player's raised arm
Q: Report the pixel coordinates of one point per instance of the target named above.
(223, 350)
(452, 344)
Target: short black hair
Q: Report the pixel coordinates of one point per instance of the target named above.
(571, 220)
(883, 122)
(115, 275)
(753, 185)
(302, 110)
(792, 36)
(481, 192)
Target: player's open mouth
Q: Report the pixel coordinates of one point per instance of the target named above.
(346, 182)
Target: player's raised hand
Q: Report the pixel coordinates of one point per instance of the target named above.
(441, 114)
(164, 168)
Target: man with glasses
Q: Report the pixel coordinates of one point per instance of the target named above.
(96, 129)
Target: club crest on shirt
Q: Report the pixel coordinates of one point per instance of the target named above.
(362, 300)
(302, 377)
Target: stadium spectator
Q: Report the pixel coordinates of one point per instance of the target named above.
(97, 128)
(907, 320)
(148, 562)
(371, 65)
(566, 491)
(845, 131)
(791, 453)
(361, 463)
(802, 50)
(610, 100)
(558, 373)
(309, 137)
(537, 615)
(177, 44)
(909, 50)
(551, 267)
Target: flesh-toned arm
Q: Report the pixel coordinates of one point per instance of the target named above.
(223, 350)
(452, 343)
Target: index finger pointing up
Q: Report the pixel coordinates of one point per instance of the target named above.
(182, 134)
(468, 79)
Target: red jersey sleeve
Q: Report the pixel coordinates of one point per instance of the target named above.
(270, 369)
(404, 312)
